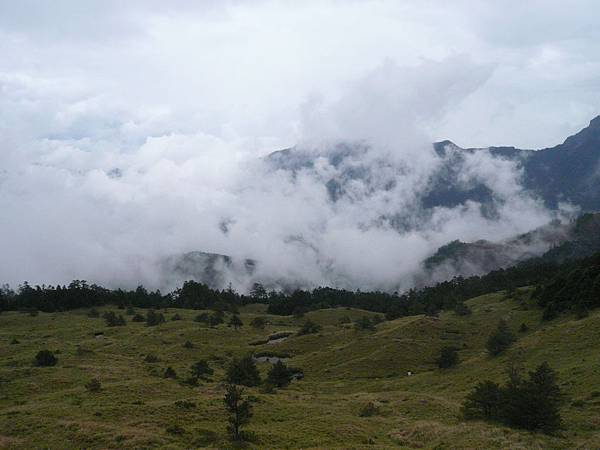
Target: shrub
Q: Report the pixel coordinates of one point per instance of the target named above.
(154, 318)
(523, 328)
(130, 311)
(368, 410)
(112, 320)
(258, 323)
(93, 313)
(170, 373)
(216, 318)
(243, 371)
(500, 340)
(45, 358)
(33, 312)
(188, 344)
(151, 358)
(202, 318)
(309, 327)
(93, 385)
(14, 342)
(201, 370)
(235, 322)
(138, 318)
(448, 357)
(176, 317)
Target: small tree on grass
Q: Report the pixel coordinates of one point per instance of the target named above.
(170, 373)
(138, 318)
(216, 318)
(154, 318)
(235, 322)
(243, 371)
(45, 358)
(279, 375)
(533, 404)
(500, 340)
(113, 320)
(239, 411)
(537, 402)
(309, 327)
(201, 370)
(448, 357)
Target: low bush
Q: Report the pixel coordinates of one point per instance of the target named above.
(45, 358)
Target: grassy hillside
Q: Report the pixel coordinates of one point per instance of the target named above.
(344, 370)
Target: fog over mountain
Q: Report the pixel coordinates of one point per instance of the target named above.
(121, 151)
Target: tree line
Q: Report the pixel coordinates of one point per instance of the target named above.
(560, 286)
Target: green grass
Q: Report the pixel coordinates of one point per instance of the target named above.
(344, 369)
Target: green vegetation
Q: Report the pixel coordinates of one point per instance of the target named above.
(45, 358)
(235, 322)
(112, 320)
(532, 404)
(355, 392)
(500, 339)
(448, 357)
(240, 411)
(243, 371)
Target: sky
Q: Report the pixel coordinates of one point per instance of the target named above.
(130, 130)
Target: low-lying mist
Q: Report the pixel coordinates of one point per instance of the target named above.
(108, 195)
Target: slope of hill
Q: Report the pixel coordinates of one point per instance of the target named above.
(344, 370)
(555, 242)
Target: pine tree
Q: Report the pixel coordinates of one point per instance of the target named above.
(243, 371)
(201, 369)
(500, 340)
(235, 322)
(279, 375)
(239, 409)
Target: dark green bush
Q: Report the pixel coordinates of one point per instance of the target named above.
(45, 358)
(243, 371)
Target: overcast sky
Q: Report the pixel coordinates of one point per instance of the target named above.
(247, 68)
(180, 96)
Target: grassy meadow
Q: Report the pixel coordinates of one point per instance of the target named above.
(345, 369)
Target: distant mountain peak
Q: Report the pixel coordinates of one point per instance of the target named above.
(591, 133)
